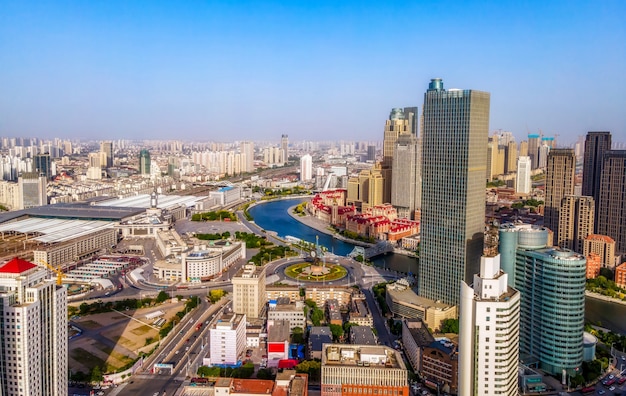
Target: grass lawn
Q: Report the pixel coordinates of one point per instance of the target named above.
(295, 271)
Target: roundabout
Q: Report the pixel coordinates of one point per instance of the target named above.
(315, 272)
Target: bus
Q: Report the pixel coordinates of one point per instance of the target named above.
(588, 390)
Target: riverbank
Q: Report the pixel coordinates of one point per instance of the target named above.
(599, 296)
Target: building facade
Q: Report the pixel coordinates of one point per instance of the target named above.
(227, 340)
(144, 162)
(551, 282)
(596, 144)
(576, 218)
(560, 172)
(603, 246)
(611, 209)
(33, 313)
(406, 181)
(306, 167)
(489, 333)
(454, 161)
(249, 291)
(523, 183)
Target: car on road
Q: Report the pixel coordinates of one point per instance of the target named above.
(601, 392)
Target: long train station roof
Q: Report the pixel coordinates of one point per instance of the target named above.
(54, 230)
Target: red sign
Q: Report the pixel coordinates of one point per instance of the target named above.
(276, 347)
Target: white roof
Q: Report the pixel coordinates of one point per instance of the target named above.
(143, 201)
(55, 230)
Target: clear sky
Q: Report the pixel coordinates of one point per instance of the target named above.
(227, 70)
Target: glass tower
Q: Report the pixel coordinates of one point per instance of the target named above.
(144, 162)
(454, 163)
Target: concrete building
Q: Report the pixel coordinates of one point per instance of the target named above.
(227, 340)
(611, 209)
(106, 148)
(94, 169)
(283, 309)
(34, 322)
(454, 161)
(306, 167)
(575, 221)
(352, 370)
(415, 337)
(144, 162)
(277, 341)
(620, 275)
(594, 264)
(405, 303)
(318, 336)
(225, 196)
(333, 313)
(560, 174)
(406, 182)
(32, 190)
(249, 291)
(366, 190)
(320, 294)
(551, 282)
(274, 292)
(284, 145)
(440, 366)
(398, 123)
(362, 335)
(603, 246)
(523, 184)
(247, 156)
(489, 333)
(533, 149)
(359, 313)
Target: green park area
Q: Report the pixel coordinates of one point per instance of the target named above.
(306, 272)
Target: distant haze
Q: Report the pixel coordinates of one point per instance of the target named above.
(312, 69)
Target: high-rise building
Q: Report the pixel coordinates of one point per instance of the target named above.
(227, 340)
(523, 183)
(551, 282)
(144, 162)
(611, 211)
(560, 173)
(406, 180)
(394, 127)
(523, 149)
(371, 153)
(43, 165)
(575, 222)
(352, 370)
(32, 190)
(94, 170)
(249, 295)
(511, 158)
(366, 190)
(489, 333)
(247, 152)
(284, 146)
(106, 148)
(454, 161)
(33, 348)
(306, 167)
(603, 246)
(533, 149)
(596, 144)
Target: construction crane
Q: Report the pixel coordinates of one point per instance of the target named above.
(60, 274)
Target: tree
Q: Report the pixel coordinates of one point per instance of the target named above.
(215, 295)
(310, 303)
(265, 374)
(316, 316)
(205, 371)
(96, 375)
(450, 326)
(347, 326)
(310, 367)
(162, 297)
(337, 332)
(84, 308)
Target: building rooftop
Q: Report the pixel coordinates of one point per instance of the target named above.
(252, 386)
(318, 336)
(16, 266)
(277, 330)
(419, 332)
(73, 211)
(362, 335)
(402, 293)
(249, 271)
(362, 356)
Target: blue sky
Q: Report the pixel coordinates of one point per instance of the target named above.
(312, 69)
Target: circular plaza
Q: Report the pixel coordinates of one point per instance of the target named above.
(315, 272)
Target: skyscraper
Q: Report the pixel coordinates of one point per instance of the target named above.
(406, 180)
(32, 189)
(43, 165)
(306, 167)
(612, 195)
(144, 162)
(533, 149)
(284, 146)
(523, 183)
(454, 162)
(575, 222)
(551, 282)
(247, 154)
(33, 349)
(596, 144)
(560, 173)
(106, 148)
(394, 127)
(489, 323)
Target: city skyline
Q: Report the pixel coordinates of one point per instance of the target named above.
(155, 71)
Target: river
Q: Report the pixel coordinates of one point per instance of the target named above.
(273, 216)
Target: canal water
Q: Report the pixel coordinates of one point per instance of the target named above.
(273, 216)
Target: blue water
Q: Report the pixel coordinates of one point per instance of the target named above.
(273, 216)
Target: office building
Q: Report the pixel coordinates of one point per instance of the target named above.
(106, 148)
(33, 348)
(352, 370)
(306, 167)
(533, 149)
(249, 291)
(371, 153)
(43, 165)
(144, 162)
(551, 282)
(94, 170)
(227, 340)
(560, 173)
(454, 161)
(575, 221)
(612, 195)
(596, 144)
(603, 246)
(284, 146)
(511, 158)
(366, 190)
(394, 127)
(283, 309)
(523, 183)
(32, 190)
(489, 333)
(406, 180)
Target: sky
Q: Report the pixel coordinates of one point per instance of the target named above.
(315, 70)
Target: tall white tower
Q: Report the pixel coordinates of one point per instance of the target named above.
(523, 182)
(489, 333)
(306, 167)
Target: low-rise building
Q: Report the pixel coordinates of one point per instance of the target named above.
(362, 335)
(318, 336)
(415, 337)
(319, 294)
(333, 312)
(603, 246)
(275, 292)
(594, 264)
(359, 313)
(283, 309)
(349, 370)
(440, 366)
(227, 340)
(620, 275)
(277, 341)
